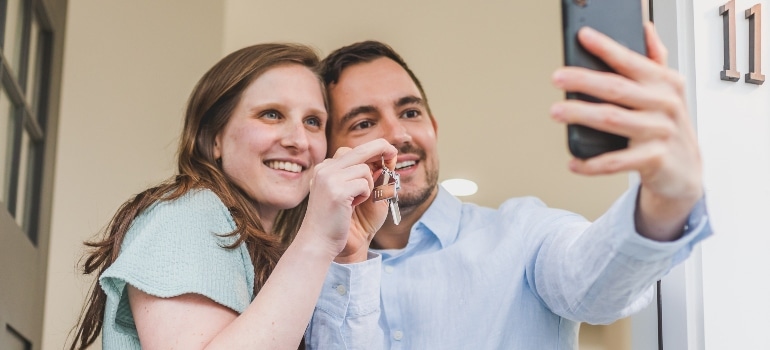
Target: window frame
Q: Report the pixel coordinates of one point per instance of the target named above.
(29, 113)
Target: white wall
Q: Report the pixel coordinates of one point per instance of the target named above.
(734, 130)
(128, 69)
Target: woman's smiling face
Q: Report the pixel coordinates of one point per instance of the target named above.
(274, 137)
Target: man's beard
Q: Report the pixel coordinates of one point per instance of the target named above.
(411, 200)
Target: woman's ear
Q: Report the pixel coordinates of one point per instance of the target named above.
(217, 147)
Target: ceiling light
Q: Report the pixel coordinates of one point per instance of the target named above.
(460, 187)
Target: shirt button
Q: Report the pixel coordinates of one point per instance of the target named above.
(389, 269)
(398, 335)
(341, 289)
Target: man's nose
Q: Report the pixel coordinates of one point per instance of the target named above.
(395, 131)
(295, 136)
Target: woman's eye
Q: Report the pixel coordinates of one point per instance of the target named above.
(364, 124)
(313, 121)
(271, 115)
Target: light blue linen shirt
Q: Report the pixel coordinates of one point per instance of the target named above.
(520, 277)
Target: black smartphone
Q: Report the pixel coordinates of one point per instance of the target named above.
(622, 21)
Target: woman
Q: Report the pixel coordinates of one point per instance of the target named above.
(215, 257)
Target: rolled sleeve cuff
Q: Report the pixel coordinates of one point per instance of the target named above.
(633, 244)
(352, 290)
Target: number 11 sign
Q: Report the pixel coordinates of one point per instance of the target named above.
(754, 15)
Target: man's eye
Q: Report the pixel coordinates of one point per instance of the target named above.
(411, 113)
(364, 124)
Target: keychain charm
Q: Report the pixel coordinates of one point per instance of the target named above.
(391, 183)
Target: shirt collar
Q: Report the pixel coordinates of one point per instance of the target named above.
(442, 218)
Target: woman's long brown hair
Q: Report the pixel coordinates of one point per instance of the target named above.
(208, 110)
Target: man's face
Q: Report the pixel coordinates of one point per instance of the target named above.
(378, 99)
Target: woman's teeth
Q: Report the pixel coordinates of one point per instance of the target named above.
(288, 166)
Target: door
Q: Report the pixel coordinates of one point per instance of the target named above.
(30, 65)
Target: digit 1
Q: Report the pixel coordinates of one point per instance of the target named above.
(754, 15)
(727, 11)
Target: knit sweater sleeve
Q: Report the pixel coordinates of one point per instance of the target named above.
(179, 247)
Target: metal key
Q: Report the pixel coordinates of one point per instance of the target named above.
(395, 212)
(391, 183)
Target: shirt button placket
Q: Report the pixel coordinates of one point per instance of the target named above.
(398, 335)
(341, 289)
(394, 323)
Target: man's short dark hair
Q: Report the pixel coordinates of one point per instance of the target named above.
(363, 52)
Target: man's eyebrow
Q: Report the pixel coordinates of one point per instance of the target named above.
(356, 111)
(409, 100)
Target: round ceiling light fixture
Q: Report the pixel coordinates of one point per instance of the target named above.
(460, 187)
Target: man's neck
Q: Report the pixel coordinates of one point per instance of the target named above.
(392, 236)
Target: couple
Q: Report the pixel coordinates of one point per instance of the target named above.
(261, 242)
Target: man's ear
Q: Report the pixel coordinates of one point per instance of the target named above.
(435, 124)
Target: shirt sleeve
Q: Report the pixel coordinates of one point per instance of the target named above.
(178, 247)
(348, 309)
(600, 272)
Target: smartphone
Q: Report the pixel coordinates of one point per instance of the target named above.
(622, 21)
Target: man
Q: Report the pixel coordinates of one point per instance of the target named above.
(457, 276)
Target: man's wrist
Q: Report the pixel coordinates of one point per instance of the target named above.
(662, 219)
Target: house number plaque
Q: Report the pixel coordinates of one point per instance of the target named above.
(729, 71)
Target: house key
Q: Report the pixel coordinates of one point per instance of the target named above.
(391, 183)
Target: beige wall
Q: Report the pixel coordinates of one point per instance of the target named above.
(486, 70)
(130, 65)
(128, 68)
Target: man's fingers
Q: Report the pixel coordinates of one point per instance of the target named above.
(644, 156)
(655, 48)
(665, 94)
(620, 58)
(608, 87)
(637, 125)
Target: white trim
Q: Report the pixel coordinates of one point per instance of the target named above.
(682, 288)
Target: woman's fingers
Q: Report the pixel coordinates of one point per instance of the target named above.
(371, 152)
(361, 162)
(344, 184)
(340, 152)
